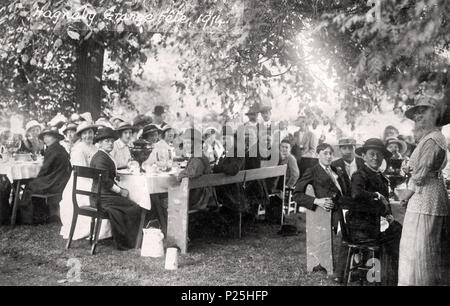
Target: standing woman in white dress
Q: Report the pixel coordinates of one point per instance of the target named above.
(81, 155)
(425, 243)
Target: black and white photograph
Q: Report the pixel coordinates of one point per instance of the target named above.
(224, 147)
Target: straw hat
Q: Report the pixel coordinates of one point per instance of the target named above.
(125, 126)
(52, 132)
(85, 126)
(346, 142)
(150, 128)
(69, 126)
(424, 101)
(401, 144)
(31, 124)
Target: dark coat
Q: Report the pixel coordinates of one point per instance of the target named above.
(364, 216)
(122, 212)
(339, 165)
(199, 198)
(323, 188)
(55, 171)
(103, 161)
(230, 195)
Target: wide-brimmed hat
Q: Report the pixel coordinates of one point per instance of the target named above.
(150, 128)
(58, 121)
(166, 128)
(85, 125)
(69, 126)
(31, 124)
(103, 122)
(424, 101)
(254, 109)
(125, 126)
(346, 142)
(374, 143)
(142, 120)
(105, 133)
(86, 116)
(51, 131)
(116, 118)
(158, 110)
(401, 144)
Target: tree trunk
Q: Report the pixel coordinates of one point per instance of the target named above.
(90, 57)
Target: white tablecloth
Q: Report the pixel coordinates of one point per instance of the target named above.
(141, 186)
(20, 170)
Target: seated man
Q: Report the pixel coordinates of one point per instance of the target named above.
(123, 213)
(370, 194)
(197, 166)
(286, 158)
(52, 178)
(329, 189)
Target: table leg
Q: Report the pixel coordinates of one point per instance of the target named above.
(16, 202)
(141, 227)
(178, 217)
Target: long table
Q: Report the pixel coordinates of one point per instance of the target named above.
(17, 172)
(141, 186)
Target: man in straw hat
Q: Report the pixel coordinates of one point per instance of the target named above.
(349, 163)
(123, 213)
(52, 179)
(370, 192)
(121, 151)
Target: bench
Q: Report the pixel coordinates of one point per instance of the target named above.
(178, 210)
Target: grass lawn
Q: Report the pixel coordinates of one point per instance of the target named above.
(36, 255)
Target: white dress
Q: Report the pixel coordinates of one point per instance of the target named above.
(80, 156)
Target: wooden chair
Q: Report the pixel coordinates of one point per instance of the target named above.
(94, 211)
(290, 206)
(356, 248)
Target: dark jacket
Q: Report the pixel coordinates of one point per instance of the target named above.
(55, 171)
(339, 165)
(103, 161)
(323, 188)
(230, 195)
(363, 218)
(199, 198)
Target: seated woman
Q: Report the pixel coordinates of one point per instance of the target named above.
(197, 166)
(52, 179)
(5, 184)
(163, 150)
(123, 213)
(370, 194)
(230, 196)
(121, 151)
(81, 155)
(32, 143)
(211, 145)
(69, 131)
(329, 189)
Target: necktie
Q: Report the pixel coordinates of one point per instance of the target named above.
(347, 169)
(330, 173)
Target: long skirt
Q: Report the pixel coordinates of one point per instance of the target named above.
(424, 250)
(124, 216)
(83, 227)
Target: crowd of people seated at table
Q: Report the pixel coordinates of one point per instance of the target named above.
(357, 181)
